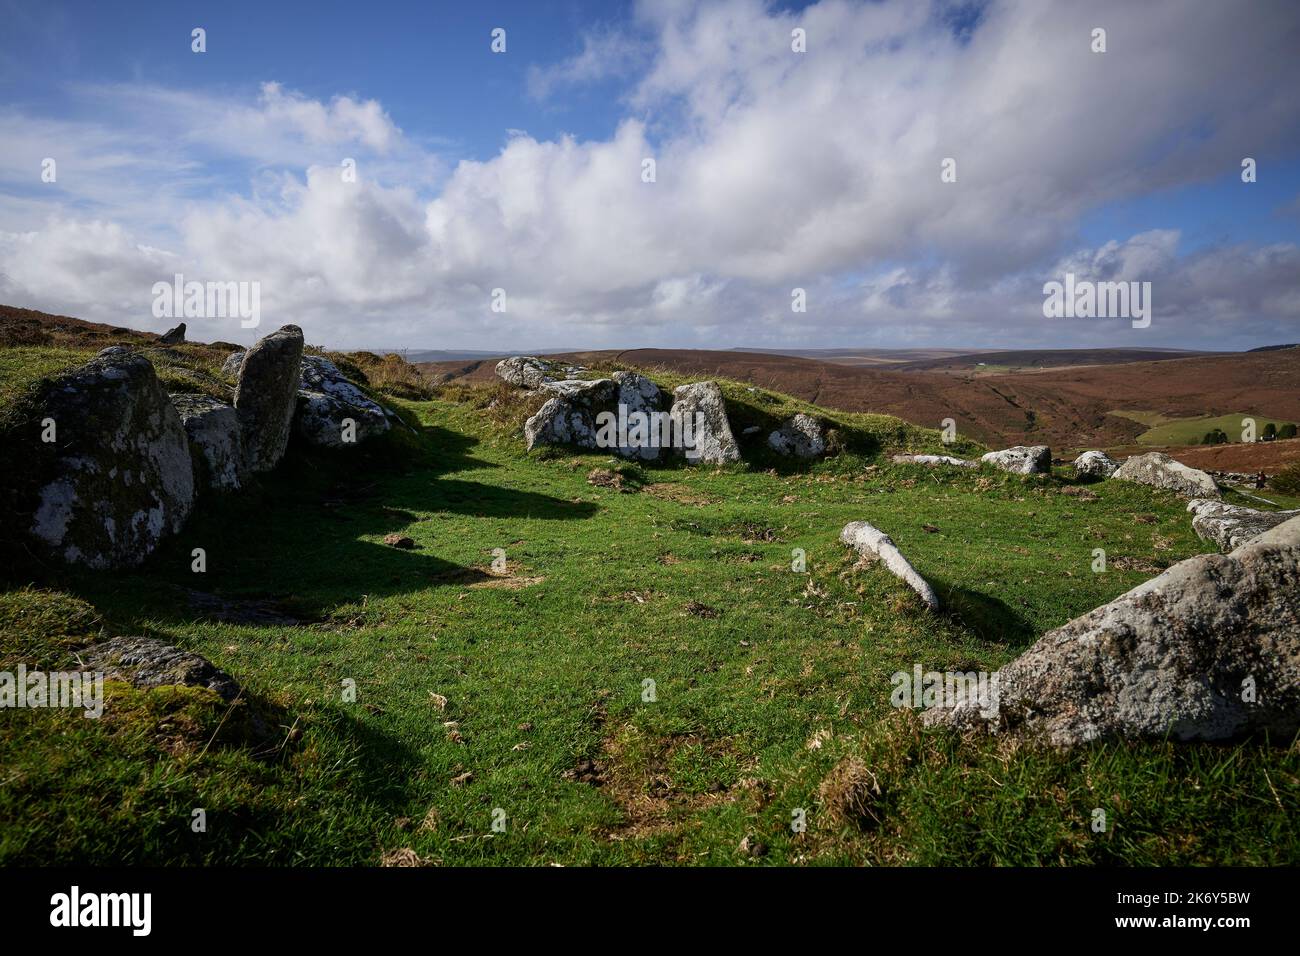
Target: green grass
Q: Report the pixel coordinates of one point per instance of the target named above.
(764, 680)
(1163, 430)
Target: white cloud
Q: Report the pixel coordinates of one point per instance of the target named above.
(774, 169)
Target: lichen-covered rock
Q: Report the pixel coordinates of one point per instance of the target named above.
(1161, 471)
(1208, 650)
(570, 419)
(1021, 459)
(934, 461)
(266, 396)
(230, 367)
(529, 371)
(213, 429)
(873, 544)
(119, 477)
(1231, 526)
(700, 412)
(1095, 464)
(800, 435)
(150, 662)
(327, 401)
(638, 396)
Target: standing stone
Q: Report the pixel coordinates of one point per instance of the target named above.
(213, 430)
(267, 395)
(173, 336)
(800, 435)
(700, 408)
(637, 394)
(1161, 471)
(119, 478)
(1021, 459)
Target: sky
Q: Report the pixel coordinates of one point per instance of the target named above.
(384, 178)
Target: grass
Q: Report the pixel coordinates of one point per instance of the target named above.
(1163, 430)
(641, 678)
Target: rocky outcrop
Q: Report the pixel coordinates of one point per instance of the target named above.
(1161, 471)
(873, 544)
(529, 371)
(215, 439)
(1095, 464)
(1208, 650)
(266, 396)
(327, 402)
(150, 662)
(934, 461)
(570, 419)
(800, 436)
(1231, 526)
(1021, 459)
(700, 412)
(119, 476)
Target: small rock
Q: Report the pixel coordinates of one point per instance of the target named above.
(800, 436)
(1161, 471)
(1021, 459)
(1095, 464)
(150, 662)
(399, 541)
(173, 336)
(873, 543)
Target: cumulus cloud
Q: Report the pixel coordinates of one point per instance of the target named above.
(773, 170)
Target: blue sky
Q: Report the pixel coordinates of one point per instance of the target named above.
(776, 169)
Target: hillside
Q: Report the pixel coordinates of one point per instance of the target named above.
(623, 670)
(1066, 408)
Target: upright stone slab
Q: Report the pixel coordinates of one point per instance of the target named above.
(267, 395)
(700, 408)
(213, 429)
(119, 477)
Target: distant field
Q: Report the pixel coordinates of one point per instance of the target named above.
(1163, 430)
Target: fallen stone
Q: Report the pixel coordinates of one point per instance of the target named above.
(1095, 464)
(1231, 526)
(874, 544)
(529, 371)
(120, 477)
(1021, 459)
(800, 436)
(1207, 650)
(934, 461)
(150, 662)
(266, 396)
(213, 430)
(1161, 471)
(700, 408)
(327, 401)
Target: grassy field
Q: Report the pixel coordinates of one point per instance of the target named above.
(1163, 430)
(641, 678)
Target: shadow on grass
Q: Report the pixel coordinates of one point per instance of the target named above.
(294, 537)
(991, 619)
